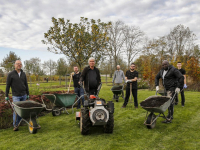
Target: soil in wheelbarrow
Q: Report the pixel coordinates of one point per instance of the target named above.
(154, 102)
(29, 105)
(117, 88)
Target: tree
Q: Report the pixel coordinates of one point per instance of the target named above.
(133, 37)
(1, 73)
(9, 60)
(50, 67)
(33, 66)
(61, 68)
(180, 40)
(77, 41)
(116, 41)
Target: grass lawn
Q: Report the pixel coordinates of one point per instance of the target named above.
(62, 132)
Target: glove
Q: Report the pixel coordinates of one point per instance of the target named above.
(157, 88)
(27, 97)
(6, 98)
(72, 73)
(177, 90)
(185, 86)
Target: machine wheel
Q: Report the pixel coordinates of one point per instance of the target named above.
(84, 122)
(56, 111)
(108, 128)
(150, 119)
(33, 123)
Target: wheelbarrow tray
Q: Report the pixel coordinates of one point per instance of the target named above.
(161, 109)
(62, 100)
(27, 112)
(117, 89)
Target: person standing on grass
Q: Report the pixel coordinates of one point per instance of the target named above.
(172, 80)
(117, 78)
(131, 75)
(18, 82)
(183, 85)
(91, 77)
(77, 89)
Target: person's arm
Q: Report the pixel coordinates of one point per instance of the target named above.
(26, 83)
(114, 77)
(135, 78)
(83, 74)
(184, 79)
(123, 76)
(8, 84)
(179, 76)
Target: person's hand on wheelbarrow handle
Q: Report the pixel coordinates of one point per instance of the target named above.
(6, 98)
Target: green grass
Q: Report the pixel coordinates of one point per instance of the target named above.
(62, 132)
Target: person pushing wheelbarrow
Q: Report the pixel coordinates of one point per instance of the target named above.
(171, 79)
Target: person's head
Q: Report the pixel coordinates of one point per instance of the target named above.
(75, 69)
(132, 67)
(165, 65)
(91, 62)
(118, 67)
(179, 65)
(18, 65)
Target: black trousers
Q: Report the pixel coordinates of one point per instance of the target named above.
(134, 92)
(92, 91)
(170, 92)
(182, 97)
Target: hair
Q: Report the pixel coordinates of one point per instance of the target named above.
(132, 63)
(91, 58)
(178, 62)
(18, 60)
(76, 66)
(118, 65)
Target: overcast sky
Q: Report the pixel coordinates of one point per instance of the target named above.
(24, 22)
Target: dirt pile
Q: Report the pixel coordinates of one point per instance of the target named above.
(29, 105)
(154, 102)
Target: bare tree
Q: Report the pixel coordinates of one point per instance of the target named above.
(50, 67)
(116, 41)
(180, 40)
(133, 38)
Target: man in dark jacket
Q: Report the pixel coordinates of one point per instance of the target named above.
(171, 79)
(77, 89)
(17, 81)
(91, 77)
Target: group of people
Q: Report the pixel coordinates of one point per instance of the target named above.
(173, 80)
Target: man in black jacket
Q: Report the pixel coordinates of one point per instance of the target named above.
(172, 80)
(17, 81)
(91, 77)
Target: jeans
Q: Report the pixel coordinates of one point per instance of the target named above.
(79, 92)
(16, 119)
(134, 92)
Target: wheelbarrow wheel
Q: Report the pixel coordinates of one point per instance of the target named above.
(117, 98)
(56, 111)
(108, 128)
(33, 123)
(84, 122)
(150, 119)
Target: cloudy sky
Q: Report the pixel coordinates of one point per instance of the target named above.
(24, 22)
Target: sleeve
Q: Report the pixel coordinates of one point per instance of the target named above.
(8, 84)
(123, 76)
(126, 74)
(157, 79)
(184, 72)
(82, 77)
(136, 75)
(99, 76)
(26, 83)
(179, 76)
(114, 76)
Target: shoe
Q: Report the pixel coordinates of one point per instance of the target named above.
(15, 129)
(176, 103)
(183, 105)
(136, 107)
(123, 106)
(166, 121)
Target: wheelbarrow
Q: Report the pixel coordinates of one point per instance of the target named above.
(159, 104)
(118, 91)
(28, 114)
(59, 102)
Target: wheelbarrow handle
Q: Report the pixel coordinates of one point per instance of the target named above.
(43, 100)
